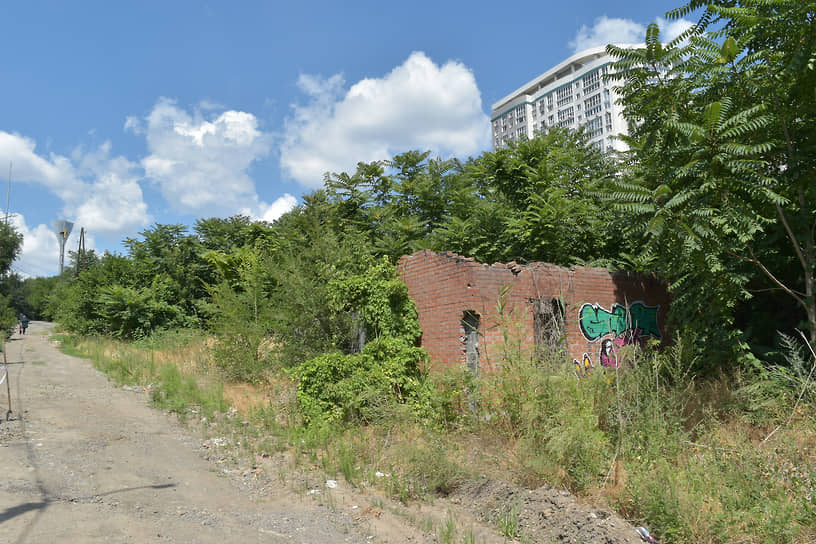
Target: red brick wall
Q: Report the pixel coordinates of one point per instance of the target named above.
(445, 285)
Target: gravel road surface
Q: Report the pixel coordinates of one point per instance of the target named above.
(85, 461)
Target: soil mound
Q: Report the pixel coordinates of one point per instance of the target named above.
(546, 514)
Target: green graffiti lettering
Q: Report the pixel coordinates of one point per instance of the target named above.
(596, 322)
(644, 318)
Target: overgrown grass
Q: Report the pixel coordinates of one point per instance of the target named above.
(172, 366)
(723, 460)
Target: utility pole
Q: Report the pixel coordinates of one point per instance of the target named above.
(8, 194)
(80, 264)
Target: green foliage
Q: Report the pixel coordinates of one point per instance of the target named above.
(314, 250)
(537, 203)
(27, 295)
(381, 300)
(337, 387)
(177, 393)
(718, 186)
(766, 394)
(107, 298)
(509, 520)
(241, 315)
(431, 469)
(134, 313)
(557, 420)
(11, 244)
(36, 292)
(74, 303)
(449, 389)
(233, 233)
(170, 251)
(723, 494)
(8, 318)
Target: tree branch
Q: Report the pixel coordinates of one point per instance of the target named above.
(795, 294)
(792, 237)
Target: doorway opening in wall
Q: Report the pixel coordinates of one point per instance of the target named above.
(470, 339)
(358, 333)
(549, 332)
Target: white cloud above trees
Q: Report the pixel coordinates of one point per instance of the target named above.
(418, 105)
(98, 191)
(606, 30)
(200, 159)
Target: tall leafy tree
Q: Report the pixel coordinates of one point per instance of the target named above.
(11, 243)
(316, 245)
(171, 252)
(720, 177)
(537, 202)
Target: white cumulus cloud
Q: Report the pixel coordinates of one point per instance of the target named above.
(113, 201)
(200, 162)
(606, 30)
(418, 105)
(281, 206)
(669, 30)
(270, 212)
(98, 191)
(55, 172)
(40, 252)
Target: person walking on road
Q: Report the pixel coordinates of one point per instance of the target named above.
(23, 323)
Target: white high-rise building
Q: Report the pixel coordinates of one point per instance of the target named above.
(570, 95)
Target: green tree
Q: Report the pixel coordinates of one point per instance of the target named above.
(242, 314)
(721, 173)
(171, 251)
(75, 302)
(536, 202)
(11, 243)
(316, 245)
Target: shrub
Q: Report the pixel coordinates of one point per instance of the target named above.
(134, 313)
(338, 387)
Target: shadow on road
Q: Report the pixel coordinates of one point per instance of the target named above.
(40, 506)
(20, 509)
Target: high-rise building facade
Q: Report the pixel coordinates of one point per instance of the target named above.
(572, 94)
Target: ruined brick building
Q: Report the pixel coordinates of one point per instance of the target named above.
(466, 308)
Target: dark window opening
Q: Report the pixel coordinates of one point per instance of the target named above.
(548, 325)
(359, 338)
(470, 334)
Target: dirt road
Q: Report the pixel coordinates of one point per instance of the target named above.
(85, 461)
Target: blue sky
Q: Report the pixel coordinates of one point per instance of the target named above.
(118, 115)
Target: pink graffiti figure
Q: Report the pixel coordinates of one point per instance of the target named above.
(608, 354)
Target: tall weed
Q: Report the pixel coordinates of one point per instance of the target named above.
(178, 393)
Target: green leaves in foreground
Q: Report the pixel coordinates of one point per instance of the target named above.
(364, 386)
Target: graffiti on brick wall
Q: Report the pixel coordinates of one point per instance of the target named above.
(608, 354)
(620, 326)
(597, 322)
(584, 368)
